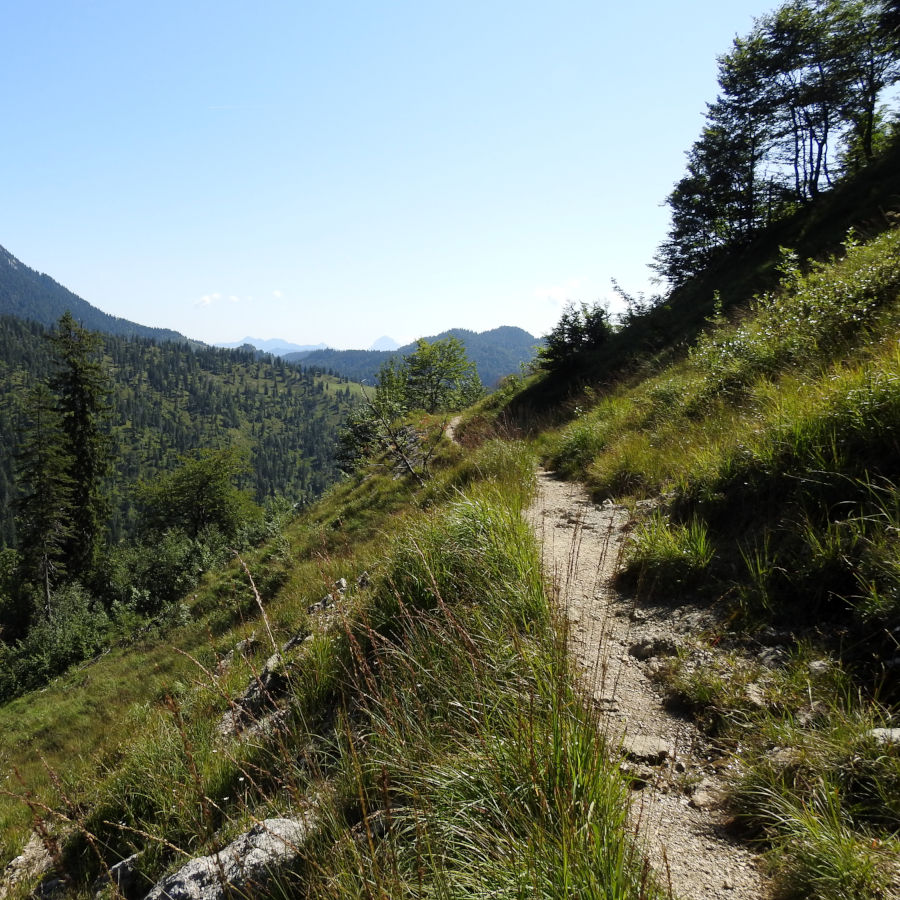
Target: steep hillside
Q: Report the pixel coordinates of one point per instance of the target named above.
(38, 298)
(496, 353)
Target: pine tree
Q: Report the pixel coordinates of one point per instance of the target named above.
(44, 502)
(81, 388)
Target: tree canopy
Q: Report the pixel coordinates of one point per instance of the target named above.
(800, 104)
(201, 493)
(436, 377)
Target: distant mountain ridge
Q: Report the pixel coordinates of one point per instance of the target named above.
(384, 343)
(497, 353)
(275, 346)
(31, 295)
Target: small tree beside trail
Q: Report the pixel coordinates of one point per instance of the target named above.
(580, 329)
(436, 378)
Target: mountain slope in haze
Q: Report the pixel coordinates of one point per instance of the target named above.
(32, 295)
(275, 346)
(496, 353)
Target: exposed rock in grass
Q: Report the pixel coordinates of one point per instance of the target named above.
(886, 736)
(647, 749)
(244, 866)
(34, 861)
(261, 694)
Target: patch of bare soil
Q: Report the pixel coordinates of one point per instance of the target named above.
(677, 774)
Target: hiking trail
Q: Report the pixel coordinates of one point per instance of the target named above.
(677, 773)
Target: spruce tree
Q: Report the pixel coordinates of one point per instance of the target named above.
(81, 388)
(44, 502)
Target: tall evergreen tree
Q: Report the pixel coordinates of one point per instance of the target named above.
(82, 388)
(44, 505)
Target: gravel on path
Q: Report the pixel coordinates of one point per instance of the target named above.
(678, 776)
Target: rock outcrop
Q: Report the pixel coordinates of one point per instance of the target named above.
(247, 863)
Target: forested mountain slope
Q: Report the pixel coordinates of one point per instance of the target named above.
(37, 297)
(171, 398)
(496, 353)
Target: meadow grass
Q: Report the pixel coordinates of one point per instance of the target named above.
(772, 447)
(432, 726)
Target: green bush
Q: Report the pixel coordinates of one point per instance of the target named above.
(76, 629)
(806, 322)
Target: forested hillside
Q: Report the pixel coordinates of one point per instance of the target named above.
(37, 297)
(496, 353)
(170, 398)
(411, 686)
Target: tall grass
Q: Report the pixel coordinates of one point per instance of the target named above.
(775, 442)
(431, 724)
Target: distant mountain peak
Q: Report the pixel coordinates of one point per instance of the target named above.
(385, 343)
(275, 346)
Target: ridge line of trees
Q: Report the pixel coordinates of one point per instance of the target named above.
(800, 105)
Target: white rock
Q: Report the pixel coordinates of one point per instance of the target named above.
(248, 861)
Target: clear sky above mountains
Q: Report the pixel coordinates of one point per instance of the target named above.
(337, 171)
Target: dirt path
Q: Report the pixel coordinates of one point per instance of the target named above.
(677, 774)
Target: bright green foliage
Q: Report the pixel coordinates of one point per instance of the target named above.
(809, 319)
(435, 378)
(439, 377)
(435, 731)
(669, 554)
(200, 494)
(774, 442)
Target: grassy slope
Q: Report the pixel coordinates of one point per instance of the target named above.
(774, 443)
(437, 700)
(868, 203)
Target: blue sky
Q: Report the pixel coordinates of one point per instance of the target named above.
(336, 171)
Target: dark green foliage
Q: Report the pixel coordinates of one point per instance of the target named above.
(799, 107)
(44, 506)
(200, 494)
(581, 329)
(169, 399)
(81, 387)
(77, 630)
(150, 575)
(68, 592)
